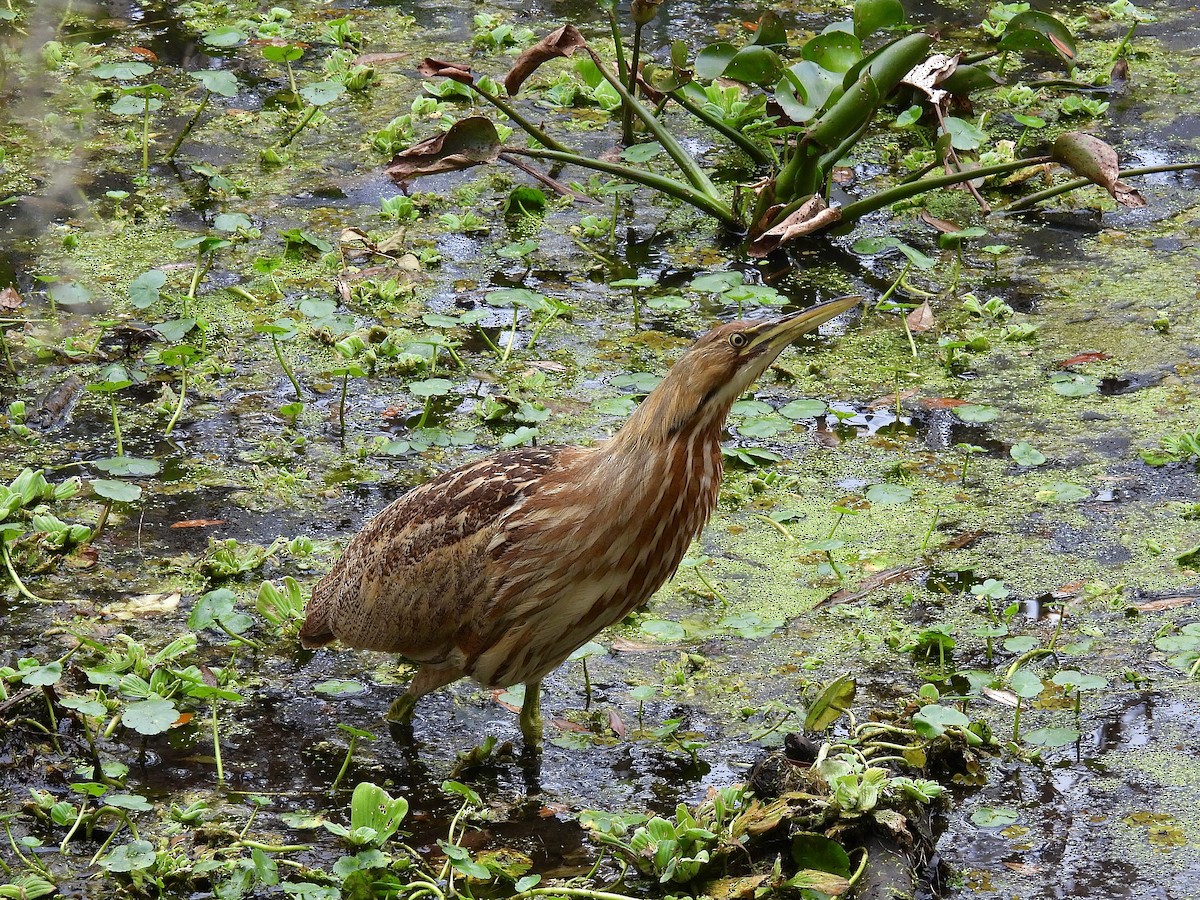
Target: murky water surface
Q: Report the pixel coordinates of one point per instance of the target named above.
(1093, 543)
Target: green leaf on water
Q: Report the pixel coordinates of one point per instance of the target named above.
(128, 465)
(340, 687)
(122, 71)
(69, 293)
(152, 716)
(323, 93)
(43, 676)
(119, 491)
(933, 719)
(889, 494)
(994, 817)
(663, 629)
(1062, 492)
(1026, 684)
(804, 409)
(1052, 737)
(218, 82)
(143, 290)
(1020, 644)
(131, 857)
(750, 625)
(225, 36)
(1072, 384)
(975, 413)
(717, 282)
(1025, 454)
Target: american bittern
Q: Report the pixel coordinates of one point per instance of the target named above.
(499, 569)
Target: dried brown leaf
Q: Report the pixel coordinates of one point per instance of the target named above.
(1165, 603)
(811, 217)
(943, 225)
(197, 523)
(1004, 698)
(1092, 158)
(441, 68)
(920, 319)
(556, 45)
(469, 142)
(10, 299)
(1086, 356)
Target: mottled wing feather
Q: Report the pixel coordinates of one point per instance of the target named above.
(417, 573)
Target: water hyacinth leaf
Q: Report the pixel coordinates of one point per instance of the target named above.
(754, 65)
(135, 105)
(469, 142)
(1052, 737)
(1071, 680)
(221, 83)
(805, 89)
(712, 60)
(132, 802)
(1026, 684)
(964, 135)
(643, 382)
(763, 427)
(933, 719)
(1021, 643)
(976, 413)
(616, 406)
(750, 625)
(83, 706)
(231, 222)
(1062, 492)
(143, 290)
(642, 153)
(175, 329)
(152, 716)
(43, 676)
(340, 687)
(322, 93)
(717, 282)
(876, 15)
(663, 629)
(815, 851)
(69, 293)
(131, 857)
(591, 648)
(122, 71)
(889, 494)
(1072, 384)
(751, 408)
(431, 387)
(1033, 30)
(1025, 454)
(128, 465)
(804, 409)
(994, 817)
(119, 491)
(834, 51)
(225, 37)
(833, 701)
(870, 246)
(916, 257)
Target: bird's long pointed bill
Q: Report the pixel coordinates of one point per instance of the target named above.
(779, 333)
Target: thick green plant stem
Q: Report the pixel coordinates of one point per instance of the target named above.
(706, 203)
(1049, 193)
(689, 167)
(16, 579)
(859, 208)
(527, 126)
(760, 156)
(187, 129)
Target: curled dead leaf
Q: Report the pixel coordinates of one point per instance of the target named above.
(1086, 356)
(920, 319)
(197, 523)
(556, 45)
(1093, 159)
(469, 142)
(811, 217)
(10, 299)
(1165, 603)
(440, 68)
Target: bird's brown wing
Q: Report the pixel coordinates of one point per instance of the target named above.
(416, 573)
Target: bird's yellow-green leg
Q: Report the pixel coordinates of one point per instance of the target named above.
(402, 708)
(531, 715)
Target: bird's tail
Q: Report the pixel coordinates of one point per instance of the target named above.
(315, 632)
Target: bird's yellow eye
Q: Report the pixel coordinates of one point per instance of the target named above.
(737, 340)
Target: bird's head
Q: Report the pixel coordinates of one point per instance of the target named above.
(722, 365)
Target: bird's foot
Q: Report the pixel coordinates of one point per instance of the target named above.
(531, 716)
(401, 710)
